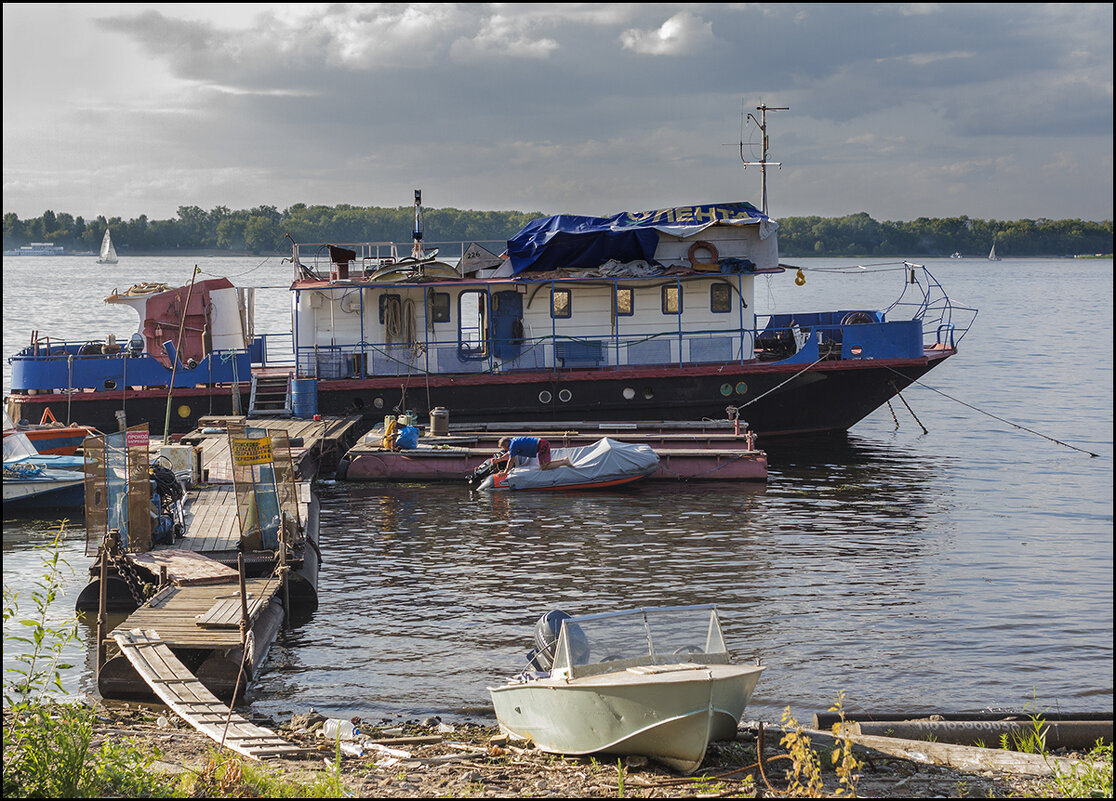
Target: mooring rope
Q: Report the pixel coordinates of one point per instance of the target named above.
(995, 417)
(777, 386)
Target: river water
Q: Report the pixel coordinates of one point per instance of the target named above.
(962, 569)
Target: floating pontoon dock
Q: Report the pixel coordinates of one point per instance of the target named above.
(698, 451)
(236, 531)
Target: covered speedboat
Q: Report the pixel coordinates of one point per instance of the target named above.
(604, 464)
(657, 682)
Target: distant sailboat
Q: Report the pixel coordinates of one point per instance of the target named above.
(992, 253)
(108, 252)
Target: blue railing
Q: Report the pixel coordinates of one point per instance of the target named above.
(851, 335)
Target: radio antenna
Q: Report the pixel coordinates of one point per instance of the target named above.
(761, 121)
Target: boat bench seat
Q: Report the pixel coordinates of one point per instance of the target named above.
(582, 353)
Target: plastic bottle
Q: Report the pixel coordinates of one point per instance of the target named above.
(339, 726)
(349, 748)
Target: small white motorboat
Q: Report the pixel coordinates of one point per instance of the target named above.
(37, 481)
(657, 682)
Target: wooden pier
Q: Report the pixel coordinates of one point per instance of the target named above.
(316, 445)
(188, 594)
(200, 624)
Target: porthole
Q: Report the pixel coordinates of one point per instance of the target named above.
(109, 384)
(564, 395)
(648, 393)
(856, 350)
(545, 396)
(741, 388)
(726, 389)
(378, 403)
(184, 411)
(628, 393)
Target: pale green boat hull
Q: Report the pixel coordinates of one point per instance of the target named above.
(671, 715)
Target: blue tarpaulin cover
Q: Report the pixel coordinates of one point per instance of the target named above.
(578, 243)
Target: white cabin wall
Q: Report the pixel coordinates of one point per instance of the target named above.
(732, 241)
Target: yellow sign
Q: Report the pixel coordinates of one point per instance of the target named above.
(251, 451)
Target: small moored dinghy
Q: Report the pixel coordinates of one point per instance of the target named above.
(656, 682)
(604, 464)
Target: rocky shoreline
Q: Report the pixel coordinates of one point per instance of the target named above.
(431, 759)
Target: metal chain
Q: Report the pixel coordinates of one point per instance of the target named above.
(126, 571)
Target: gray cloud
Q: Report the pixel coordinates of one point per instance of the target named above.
(586, 108)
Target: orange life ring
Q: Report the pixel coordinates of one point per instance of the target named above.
(699, 246)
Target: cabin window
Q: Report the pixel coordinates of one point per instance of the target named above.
(672, 299)
(720, 298)
(439, 307)
(561, 303)
(472, 324)
(625, 301)
(391, 307)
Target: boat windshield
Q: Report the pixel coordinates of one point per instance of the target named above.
(16, 443)
(654, 636)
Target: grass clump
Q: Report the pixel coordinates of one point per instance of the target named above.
(1091, 777)
(48, 749)
(804, 777)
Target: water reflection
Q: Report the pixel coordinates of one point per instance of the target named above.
(434, 589)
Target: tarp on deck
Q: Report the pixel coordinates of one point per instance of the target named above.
(601, 463)
(576, 243)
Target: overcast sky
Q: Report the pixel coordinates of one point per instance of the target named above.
(992, 111)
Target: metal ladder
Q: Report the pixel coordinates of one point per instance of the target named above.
(271, 396)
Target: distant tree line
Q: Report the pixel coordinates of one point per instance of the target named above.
(263, 230)
(860, 235)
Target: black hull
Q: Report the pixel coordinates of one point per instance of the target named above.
(188, 406)
(776, 400)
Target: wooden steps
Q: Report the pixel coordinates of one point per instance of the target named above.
(180, 690)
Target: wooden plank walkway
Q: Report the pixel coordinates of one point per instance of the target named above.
(315, 435)
(185, 566)
(176, 611)
(211, 522)
(180, 690)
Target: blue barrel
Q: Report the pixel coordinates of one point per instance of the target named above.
(304, 397)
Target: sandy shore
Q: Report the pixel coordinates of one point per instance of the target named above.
(430, 759)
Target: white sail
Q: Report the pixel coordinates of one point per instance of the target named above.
(108, 252)
(992, 253)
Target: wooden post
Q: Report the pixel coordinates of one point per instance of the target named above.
(178, 354)
(243, 602)
(283, 568)
(102, 607)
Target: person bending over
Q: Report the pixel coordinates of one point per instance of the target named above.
(528, 448)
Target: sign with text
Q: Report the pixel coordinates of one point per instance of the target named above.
(246, 452)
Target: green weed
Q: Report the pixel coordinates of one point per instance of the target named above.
(1091, 777)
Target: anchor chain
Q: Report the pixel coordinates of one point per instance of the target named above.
(126, 570)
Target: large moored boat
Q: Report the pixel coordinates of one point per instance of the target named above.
(636, 316)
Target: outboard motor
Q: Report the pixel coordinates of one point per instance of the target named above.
(483, 471)
(546, 640)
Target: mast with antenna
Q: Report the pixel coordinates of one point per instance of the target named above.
(763, 162)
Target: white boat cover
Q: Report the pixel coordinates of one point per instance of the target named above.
(602, 462)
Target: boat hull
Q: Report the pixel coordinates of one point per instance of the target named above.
(58, 441)
(669, 716)
(776, 399)
(49, 491)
